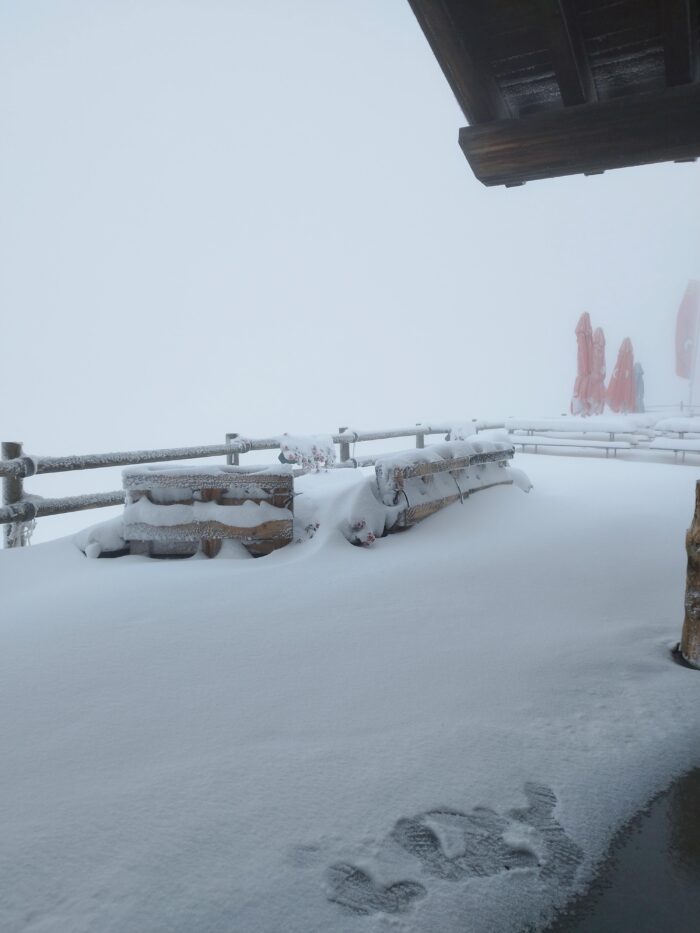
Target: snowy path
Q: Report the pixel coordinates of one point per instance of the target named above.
(435, 734)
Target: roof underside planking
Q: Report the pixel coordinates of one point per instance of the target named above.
(561, 87)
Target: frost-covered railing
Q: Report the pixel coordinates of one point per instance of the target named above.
(19, 511)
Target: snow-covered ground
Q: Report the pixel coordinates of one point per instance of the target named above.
(435, 734)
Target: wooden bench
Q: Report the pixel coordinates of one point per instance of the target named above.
(173, 511)
(430, 479)
(578, 427)
(536, 442)
(678, 427)
(681, 447)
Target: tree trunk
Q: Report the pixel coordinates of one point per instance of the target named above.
(690, 639)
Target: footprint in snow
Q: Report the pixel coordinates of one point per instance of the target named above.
(354, 890)
(455, 846)
(477, 837)
(563, 855)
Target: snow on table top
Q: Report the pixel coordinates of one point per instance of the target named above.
(679, 425)
(183, 475)
(621, 425)
(205, 745)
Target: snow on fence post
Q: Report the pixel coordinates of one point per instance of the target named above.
(11, 495)
(420, 439)
(232, 459)
(344, 447)
(690, 639)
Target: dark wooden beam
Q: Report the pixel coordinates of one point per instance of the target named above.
(680, 36)
(635, 130)
(570, 60)
(469, 77)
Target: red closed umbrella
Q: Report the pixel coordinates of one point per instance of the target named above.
(596, 383)
(621, 394)
(580, 403)
(687, 331)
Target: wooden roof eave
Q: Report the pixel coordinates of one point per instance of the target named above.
(523, 75)
(589, 139)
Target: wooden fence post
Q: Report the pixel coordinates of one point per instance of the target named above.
(232, 459)
(690, 639)
(11, 494)
(420, 439)
(344, 447)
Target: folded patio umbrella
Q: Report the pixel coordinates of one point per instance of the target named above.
(638, 387)
(687, 331)
(621, 394)
(596, 382)
(580, 402)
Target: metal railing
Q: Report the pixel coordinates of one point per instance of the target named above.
(19, 510)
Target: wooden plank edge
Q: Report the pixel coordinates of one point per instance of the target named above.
(640, 129)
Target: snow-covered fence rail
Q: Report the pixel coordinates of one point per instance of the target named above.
(347, 436)
(19, 510)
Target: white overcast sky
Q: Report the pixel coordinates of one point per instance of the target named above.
(253, 215)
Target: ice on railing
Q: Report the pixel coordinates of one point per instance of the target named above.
(311, 453)
(466, 430)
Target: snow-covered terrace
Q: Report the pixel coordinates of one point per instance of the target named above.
(437, 733)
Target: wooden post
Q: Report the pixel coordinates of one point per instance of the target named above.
(690, 639)
(344, 447)
(232, 459)
(11, 494)
(420, 439)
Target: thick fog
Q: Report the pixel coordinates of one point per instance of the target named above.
(255, 217)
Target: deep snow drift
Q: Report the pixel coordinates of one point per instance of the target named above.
(437, 733)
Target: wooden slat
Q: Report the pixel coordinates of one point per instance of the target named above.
(635, 130)
(680, 31)
(455, 464)
(467, 73)
(416, 513)
(570, 61)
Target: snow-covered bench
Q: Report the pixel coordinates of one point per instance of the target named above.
(538, 441)
(676, 447)
(678, 427)
(612, 427)
(173, 511)
(420, 482)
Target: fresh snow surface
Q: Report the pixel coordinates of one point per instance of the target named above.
(344, 739)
